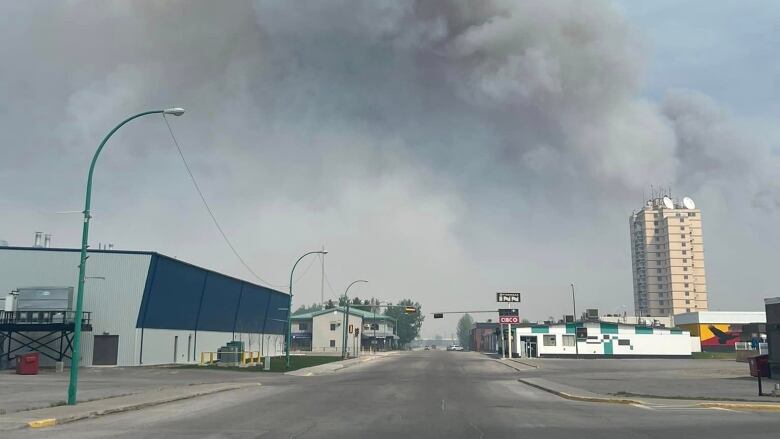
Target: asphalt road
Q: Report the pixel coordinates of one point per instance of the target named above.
(413, 395)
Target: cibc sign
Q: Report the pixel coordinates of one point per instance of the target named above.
(508, 316)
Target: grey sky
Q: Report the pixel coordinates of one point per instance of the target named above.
(441, 150)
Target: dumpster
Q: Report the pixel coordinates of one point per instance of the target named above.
(759, 366)
(27, 364)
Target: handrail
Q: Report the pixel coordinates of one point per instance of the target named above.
(43, 316)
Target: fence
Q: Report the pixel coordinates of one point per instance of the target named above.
(247, 358)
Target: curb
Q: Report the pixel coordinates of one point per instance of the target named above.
(734, 406)
(50, 422)
(571, 397)
(535, 366)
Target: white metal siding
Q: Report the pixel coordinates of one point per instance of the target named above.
(114, 302)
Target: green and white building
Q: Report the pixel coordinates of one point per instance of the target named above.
(600, 339)
(323, 331)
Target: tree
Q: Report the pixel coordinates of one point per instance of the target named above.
(408, 325)
(303, 309)
(464, 330)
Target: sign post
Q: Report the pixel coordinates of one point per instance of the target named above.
(508, 316)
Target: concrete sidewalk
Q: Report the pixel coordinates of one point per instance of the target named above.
(576, 394)
(63, 414)
(680, 379)
(329, 368)
(49, 389)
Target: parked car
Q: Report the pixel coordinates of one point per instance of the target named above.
(456, 347)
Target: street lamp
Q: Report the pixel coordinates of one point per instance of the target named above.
(74, 361)
(289, 312)
(346, 317)
(574, 309)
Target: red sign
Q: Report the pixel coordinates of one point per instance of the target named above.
(509, 319)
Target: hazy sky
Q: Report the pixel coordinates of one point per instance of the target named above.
(441, 150)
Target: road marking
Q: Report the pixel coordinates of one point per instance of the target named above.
(481, 433)
(40, 423)
(443, 406)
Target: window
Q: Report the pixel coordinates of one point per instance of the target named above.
(685, 252)
(568, 340)
(685, 260)
(682, 227)
(686, 285)
(685, 268)
(687, 293)
(302, 326)
(683, 244)
(691, 213)
(655, 223)
(657, 239)
(657, 262)
(687, 302)
(549, 340)
(333, 343)
(658, 255)
(682, 236)
(657, 270)
(685, 277)
(682, 220)
(332, 326)
(624, 342)
(687, 310)
(659, 278)
(606, 336)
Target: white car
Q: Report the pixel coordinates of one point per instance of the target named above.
(456, 347)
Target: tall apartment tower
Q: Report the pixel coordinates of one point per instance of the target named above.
(667, 255)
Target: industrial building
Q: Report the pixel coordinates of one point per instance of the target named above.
(667, 257)
(141, 308)
(323, 331)
(600, 340)
(720, 330)
(484, 337)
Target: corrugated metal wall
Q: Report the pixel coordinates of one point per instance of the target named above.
(160, 296)
(113, 301)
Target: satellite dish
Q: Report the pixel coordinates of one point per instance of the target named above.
(688, 203)
(668, 203)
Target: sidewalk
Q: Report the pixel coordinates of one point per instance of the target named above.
(328, 368)
(681, 379)
(63, 414)
(575, 394)
(49, 389)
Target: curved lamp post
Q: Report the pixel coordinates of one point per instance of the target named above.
(346, 317)
(289, 307)
(76, 354)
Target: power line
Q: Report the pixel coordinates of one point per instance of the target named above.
(211, 213)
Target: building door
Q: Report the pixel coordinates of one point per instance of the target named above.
(105, 350)
(608, 348)
(175, 348)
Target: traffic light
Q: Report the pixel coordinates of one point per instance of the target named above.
(410, 310)
(438, 315)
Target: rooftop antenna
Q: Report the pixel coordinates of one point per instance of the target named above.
(47, 240)
(37, 242)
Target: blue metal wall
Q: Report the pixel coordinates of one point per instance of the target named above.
(182, 296)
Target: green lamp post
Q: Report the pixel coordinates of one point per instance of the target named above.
(289, 307)
(76, 354)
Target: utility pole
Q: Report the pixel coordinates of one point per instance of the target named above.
(322, 281)
(574, 309)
